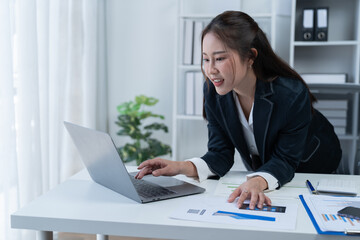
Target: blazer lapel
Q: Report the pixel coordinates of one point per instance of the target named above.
(233, 125)
(262, 111)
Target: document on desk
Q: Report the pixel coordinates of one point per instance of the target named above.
(216, 209)
(322, 211)
(337, 186)
(227, 184)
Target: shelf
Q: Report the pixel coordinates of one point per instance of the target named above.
(190, 67)
(260, 15)
(334, 88)
(206, 16)
(348, 137)
(189, 117)
(343, 18)
(327, 43)
(197, 16)
(340, 54)
(327, 59)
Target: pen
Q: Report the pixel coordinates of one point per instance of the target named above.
(311, 188)
(352, 231)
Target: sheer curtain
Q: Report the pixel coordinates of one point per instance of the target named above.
(52, 68)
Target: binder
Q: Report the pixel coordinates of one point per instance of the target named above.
(321, 27)
(308, 24)
(198, 27)
(199, 83)
(188, 41)
(190, 93)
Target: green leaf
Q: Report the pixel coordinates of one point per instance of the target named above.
(146, 135)
(123, 108)
(144, 114)
(141, 99)
(158, 148)
(149, 101)
(122, 132)
(157, 126)
(127, 153)
(134, 107)
(129, 108)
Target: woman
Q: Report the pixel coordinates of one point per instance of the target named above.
(254, 102)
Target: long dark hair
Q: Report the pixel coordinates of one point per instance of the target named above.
(239, 32)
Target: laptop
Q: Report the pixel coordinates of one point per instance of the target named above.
(106, 168)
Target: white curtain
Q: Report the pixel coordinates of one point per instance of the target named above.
(52, 68)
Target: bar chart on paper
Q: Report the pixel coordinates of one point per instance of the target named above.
(243, 216)
(217, 209)
(335, 219)
(272, 208)
(324, 210)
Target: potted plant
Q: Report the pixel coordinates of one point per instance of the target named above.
(130, 118)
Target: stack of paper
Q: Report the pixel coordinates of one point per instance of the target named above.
(336, 112)
(336, 186)
(326, 78)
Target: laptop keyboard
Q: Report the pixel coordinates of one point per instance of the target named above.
(148, 190)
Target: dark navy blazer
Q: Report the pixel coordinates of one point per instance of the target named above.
(288, 136)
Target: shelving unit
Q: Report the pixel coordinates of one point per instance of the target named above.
(339, 54)
(190, 131)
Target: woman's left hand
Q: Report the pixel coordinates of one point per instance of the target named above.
(252, 189)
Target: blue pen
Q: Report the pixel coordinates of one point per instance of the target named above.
(311, 188)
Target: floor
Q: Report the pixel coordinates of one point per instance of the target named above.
(74, 236)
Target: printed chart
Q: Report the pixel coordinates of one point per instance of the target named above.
(271, 208)
(217, 210)
(334, 219)
(324, 210)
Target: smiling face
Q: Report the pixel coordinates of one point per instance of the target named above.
(223, 66)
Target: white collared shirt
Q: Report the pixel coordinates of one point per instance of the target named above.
(203, 170)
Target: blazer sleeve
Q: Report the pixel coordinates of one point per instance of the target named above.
(220, 155)
(289, 146)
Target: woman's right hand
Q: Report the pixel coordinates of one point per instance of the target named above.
(162, 167)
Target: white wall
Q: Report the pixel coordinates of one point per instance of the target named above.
(141, 49)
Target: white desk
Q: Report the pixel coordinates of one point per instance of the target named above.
(79, 205)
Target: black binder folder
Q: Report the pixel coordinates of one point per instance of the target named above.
(321, 25)
(308, 24)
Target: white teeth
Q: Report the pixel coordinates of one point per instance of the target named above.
(217, 80)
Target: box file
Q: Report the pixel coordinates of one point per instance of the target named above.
(189, 94)
(199, 83)
(198, 27)
(308, 24)
(188, 42)
(321, 27)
